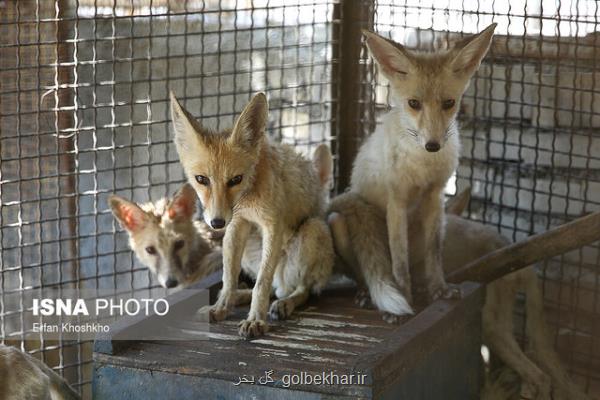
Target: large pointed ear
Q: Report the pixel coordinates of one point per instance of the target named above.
(470, 52)
(129, 214)
(185, 127)
(249, 129)
(393, 59)
(183, 204)
(323, 164)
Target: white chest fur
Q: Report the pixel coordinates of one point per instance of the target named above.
(391, 162)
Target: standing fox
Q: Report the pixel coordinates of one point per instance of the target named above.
(404, 166)
(245, 181)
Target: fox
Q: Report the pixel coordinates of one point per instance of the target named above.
(403, 167)
(245, 181)
(25, 377)
(464, 241)
(176, 273)
(167, 239)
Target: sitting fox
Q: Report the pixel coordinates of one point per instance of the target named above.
(403, 167)
(245, 182)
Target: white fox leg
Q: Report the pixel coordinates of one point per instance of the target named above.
(283, 308)
(233, 248)
(433, 283)
(397, 227)
(255, 324)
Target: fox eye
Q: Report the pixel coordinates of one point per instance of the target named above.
(151, 250)
(236, 180)
(414, 104)
(179, 244)
(203, 180)
(448, 104)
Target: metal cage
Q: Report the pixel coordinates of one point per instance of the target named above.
(83, 114)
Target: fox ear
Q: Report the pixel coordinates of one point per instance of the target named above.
(470, 52)
(129, 214)
(183, 204)
(185, 126)
(323, 164)
(393, 59)
(250, 126)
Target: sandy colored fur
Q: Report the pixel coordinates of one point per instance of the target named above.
(279, 192)
(24, 377)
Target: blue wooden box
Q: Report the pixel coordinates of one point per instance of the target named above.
(435, 355)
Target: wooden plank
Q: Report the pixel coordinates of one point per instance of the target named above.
(556, 241)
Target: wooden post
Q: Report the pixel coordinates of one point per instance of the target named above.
(347, 127)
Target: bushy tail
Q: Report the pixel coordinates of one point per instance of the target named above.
(387, 297)
(360, 238)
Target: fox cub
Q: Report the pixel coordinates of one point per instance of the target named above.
(166, 239)
(244, 181)
(403, 167)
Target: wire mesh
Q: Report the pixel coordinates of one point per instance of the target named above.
(529, 121)
(84, 114)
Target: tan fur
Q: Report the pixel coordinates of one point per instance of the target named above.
(466, 241)
(161, 225)
(24, 377)
(403, 167)
(277, 193)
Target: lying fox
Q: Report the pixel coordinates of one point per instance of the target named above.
(25, 377)
(244, 181)
(180, 250)
(465, 241)
(404, 166)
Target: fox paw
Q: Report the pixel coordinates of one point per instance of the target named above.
(395, 319)
(448, 291)
(217, 313)
(252, 329)
(280, 309)
(363, 298)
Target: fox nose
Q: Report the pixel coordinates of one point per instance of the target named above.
(217, 223)
(432, 147)
(171, 283)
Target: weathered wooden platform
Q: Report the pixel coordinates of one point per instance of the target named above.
(435, 355)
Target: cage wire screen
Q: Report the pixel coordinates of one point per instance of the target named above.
(84, 114)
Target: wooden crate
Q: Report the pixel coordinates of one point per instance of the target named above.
(436, 355)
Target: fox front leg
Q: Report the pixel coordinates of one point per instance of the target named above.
(433, 220)
(255, 324)
(397, 226)
(234, 243)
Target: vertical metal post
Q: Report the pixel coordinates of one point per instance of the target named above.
(348, 124)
